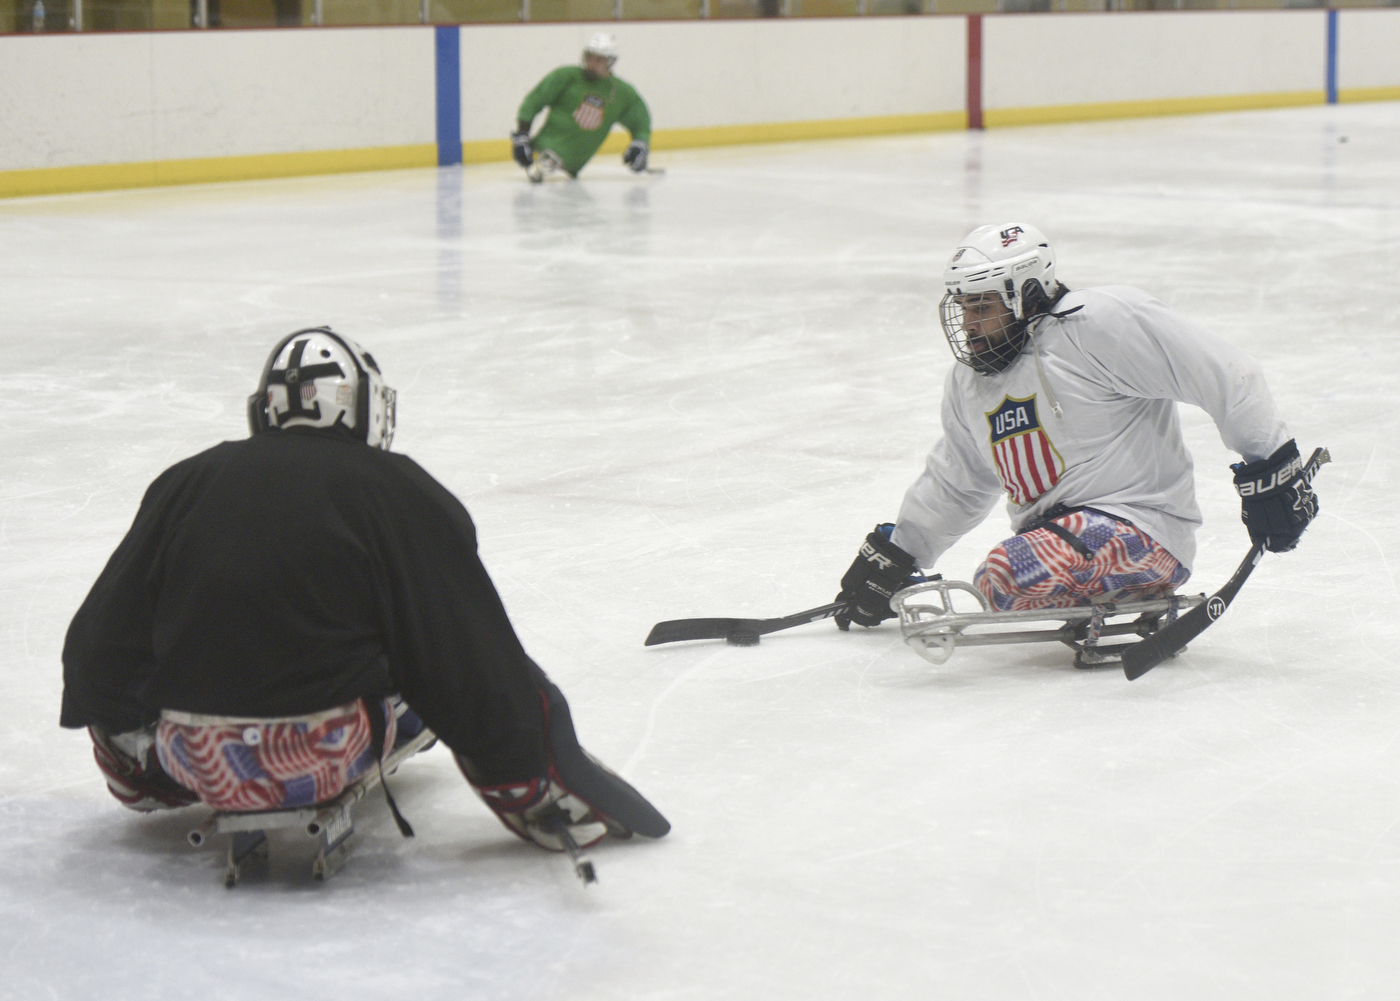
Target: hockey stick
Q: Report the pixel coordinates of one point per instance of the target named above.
(583, 865)
(738, 632)
(1142, 657)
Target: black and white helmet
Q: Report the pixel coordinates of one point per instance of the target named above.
(317, 378)
(1015, 263)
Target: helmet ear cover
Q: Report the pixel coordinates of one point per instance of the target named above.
(1034, 300)
(260, 420)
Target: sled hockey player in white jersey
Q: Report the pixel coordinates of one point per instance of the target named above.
(1065, 402)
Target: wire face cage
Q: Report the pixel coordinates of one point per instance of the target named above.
(981, 330)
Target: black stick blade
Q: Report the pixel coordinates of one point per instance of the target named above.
(740, 632)
(1142, 657)
(676, 630)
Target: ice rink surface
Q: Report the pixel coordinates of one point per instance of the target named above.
(692, 394)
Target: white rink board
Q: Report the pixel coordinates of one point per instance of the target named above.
(93, 99)
(1038, 60)
(75, 99)
(1368, 48)
(708, 73)
(235, 93)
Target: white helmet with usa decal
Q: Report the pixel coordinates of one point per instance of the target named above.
(1010, 264)
(317, 378)
(1014, 260)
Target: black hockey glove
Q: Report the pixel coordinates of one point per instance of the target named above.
(880, 569)
(635, 156)
(1277, 502)
(521, 149)
(577, 791)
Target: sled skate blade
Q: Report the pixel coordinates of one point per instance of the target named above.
(1086, 658)
(546, 163)
(331, 858)
(245, 850)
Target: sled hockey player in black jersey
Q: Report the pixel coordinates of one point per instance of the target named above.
(1064, 404)
(287, 607)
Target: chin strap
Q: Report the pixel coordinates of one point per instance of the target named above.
(1040, 373)
(1040, 368)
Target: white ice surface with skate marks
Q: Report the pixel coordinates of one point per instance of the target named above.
(693, 395)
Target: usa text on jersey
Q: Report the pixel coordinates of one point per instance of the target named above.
(1026, 461)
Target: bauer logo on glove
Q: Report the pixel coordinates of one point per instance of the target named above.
(1276, 501)
(1277, 478)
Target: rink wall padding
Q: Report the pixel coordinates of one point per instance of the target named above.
(94, 111)
(1073, 67)
(1368, 55)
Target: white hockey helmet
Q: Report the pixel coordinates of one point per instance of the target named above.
(1013, 261)
(604, 44)
(317, 378)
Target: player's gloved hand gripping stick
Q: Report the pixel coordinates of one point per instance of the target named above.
(880, 569)
(635, 156)
(520, 147)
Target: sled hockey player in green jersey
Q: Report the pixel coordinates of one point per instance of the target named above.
(584, 102)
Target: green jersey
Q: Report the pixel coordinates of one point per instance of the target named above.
(581, 113)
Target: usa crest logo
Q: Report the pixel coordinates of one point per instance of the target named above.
(1009, 236)
(1026, 461)
(589, 114)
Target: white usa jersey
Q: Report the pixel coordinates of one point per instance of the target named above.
(1098, 428)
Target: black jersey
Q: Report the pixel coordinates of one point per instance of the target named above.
(295, 571)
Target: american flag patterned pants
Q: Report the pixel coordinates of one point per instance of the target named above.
(1039, 569)
(247, 764)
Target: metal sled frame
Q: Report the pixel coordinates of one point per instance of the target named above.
(332, 823)
(933, 629)
(546, 162)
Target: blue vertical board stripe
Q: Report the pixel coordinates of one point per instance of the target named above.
(449, 94)
(1332, 56)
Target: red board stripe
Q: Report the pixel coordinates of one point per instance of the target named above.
(974, 71)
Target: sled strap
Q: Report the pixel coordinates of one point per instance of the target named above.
(1047, 522)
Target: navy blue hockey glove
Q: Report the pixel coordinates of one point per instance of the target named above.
(880, 569)
(1276, 500)
(521, 149)
(635, 156)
